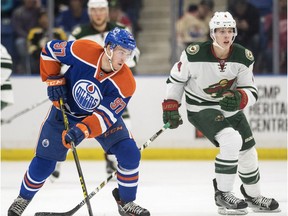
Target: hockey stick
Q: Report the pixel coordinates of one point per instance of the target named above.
(76, 159)
(102, 184)
(33, 106)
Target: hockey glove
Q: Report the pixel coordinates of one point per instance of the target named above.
(76, 134)
(171, 113)
(233, 100)
(56, 89)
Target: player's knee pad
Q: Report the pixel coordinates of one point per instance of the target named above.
(127, 154)
(41, 168)
(230, 142)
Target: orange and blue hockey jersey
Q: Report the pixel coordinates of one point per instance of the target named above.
(96, 97)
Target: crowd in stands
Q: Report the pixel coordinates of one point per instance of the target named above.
(193, 26)
(254, 25)
(24, 27)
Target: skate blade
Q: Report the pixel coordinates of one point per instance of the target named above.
(257, 210)
(225, 211)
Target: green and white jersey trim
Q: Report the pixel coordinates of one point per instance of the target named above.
(6, 71)
(204, 78)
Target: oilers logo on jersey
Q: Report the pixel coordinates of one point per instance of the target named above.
(86, 94)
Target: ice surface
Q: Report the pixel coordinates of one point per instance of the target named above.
(166, 188)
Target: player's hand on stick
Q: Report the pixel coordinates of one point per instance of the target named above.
(76, 134)
(233, 100)
(56, 89)
(171, 113)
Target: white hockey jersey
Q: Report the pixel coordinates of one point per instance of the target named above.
(203, 77)
(7, 96)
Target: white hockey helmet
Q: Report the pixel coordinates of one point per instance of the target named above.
(97, 3)
(222, 20)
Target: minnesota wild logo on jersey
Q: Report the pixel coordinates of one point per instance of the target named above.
(193, 49)
(249, 55)
(216, 90)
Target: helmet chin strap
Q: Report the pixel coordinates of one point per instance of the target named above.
(217, 45)
(215, 42)
(109, 58)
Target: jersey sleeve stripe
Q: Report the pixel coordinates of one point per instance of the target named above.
(173, 80)
(51, 52)
(106, 120)
(252, 89)
(108, 112)
(48, 67)
(96, 125)
(49, 64)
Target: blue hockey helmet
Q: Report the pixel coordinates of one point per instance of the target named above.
(120, 37)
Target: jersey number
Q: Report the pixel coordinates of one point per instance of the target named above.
(118, 105)
(60, 48)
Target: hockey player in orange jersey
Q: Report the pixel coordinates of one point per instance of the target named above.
(95, 89)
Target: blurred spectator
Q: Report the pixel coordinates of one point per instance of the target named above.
(23, 19)
(116, 14)
(193, 25)
(266, 65)
(7, 32)
(248, 22)
(283, 35)
(7, 97)
(264, 6)
(59, 5)
(189, 28)
(133, 8)
(38, 37)
(99, 26)
(7, 7)
(75, 15)
(205, 10)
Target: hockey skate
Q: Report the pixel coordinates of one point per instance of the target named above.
(18, 206)
(260, 203)
(130, 208)
(228, 204)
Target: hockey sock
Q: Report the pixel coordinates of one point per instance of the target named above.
(34, 178)
(249, 172)
(226, 162)
(128, 156)
(127, 183)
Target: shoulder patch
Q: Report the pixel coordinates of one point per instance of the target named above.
(249, 55)
(125, 80)
(192, 49)
(76, 31)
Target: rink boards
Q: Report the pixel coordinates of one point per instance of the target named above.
(268, 120)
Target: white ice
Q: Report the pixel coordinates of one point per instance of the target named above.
(166, 188)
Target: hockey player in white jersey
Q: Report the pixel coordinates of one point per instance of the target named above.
(7, 97)
(218, 82)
